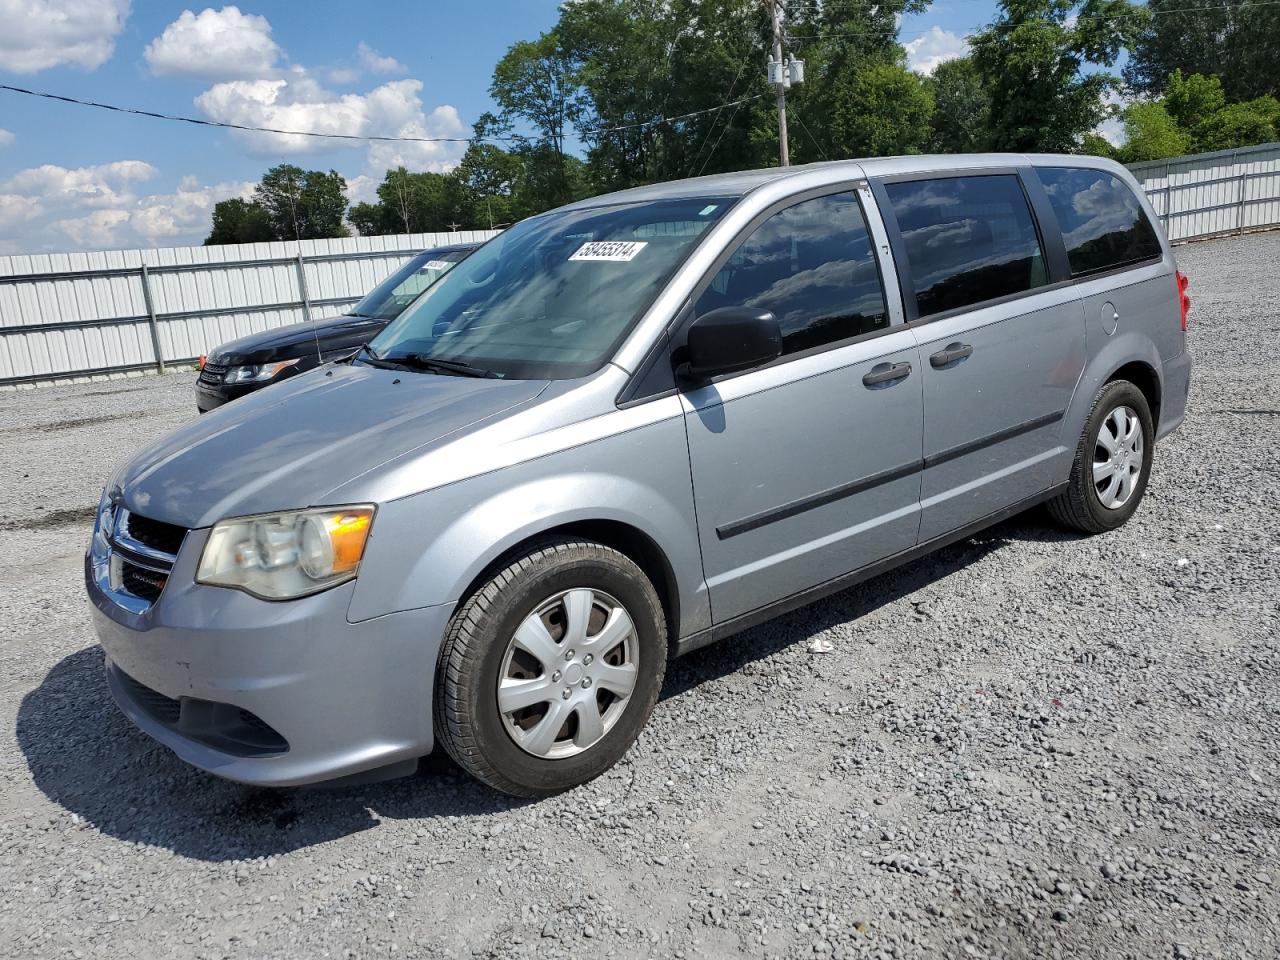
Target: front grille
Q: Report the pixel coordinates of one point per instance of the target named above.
(223, 726)
(212, 373)
(143, 554)
(140, 581)
(165, 537)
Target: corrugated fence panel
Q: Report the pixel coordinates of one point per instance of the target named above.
(1210, 194)
(72, 315)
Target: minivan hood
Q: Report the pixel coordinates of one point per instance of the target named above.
(287, 446)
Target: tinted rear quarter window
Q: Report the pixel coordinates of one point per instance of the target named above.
(968, 240)
(1103, 224)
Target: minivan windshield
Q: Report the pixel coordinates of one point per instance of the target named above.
(388, 299)
(552, 297)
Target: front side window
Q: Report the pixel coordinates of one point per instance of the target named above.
(968, 240)
(388, 299)
(1103, 225)
(553, 296)
(813, 267)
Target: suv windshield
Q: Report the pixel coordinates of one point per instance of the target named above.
(388, 299)
(553, 296)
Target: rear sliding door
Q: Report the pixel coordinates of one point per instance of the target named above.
(1001, 335)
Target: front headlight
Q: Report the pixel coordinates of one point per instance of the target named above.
(258, 372)
(280, 556)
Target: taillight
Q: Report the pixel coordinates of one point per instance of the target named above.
(1184, 302)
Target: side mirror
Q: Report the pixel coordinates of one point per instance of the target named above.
(729, 339)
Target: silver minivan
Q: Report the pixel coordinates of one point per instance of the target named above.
(622, 430)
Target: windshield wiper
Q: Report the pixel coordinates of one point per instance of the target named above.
(366, 353)
(421, 361)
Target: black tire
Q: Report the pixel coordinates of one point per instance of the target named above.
(1079, 507)
(467, 719)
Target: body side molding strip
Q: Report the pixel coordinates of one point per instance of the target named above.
(703, 638)
(757, 520)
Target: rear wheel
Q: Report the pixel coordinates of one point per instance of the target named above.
(551, 668)
(1112, 463)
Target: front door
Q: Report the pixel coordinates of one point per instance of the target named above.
(809, 467)
(1001, 348)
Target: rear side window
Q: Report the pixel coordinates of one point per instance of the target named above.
(968, 239)
(811, 265)
(1103, 225)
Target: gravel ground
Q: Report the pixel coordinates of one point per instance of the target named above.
(1027, 745)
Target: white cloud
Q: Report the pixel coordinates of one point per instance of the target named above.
(39, 34)
(300, 103)
(104, 185)
(215, 43)
(342, 75)
(1112, 129)
(6, 137)
(55, 208)
(363, 189)
(934, 47)
(375, 62)
(15, 209)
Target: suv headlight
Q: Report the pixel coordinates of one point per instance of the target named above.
(257, 372)
(280, 556)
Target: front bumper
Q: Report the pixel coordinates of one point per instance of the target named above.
(345, 697)
(210, 396)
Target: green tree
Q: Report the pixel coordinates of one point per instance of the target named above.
(1033, 60)
(1239, 125)
(303, 204)
(1151, 134)
(416, 203)
(1095, 145)
(642, 60)
(490, 174)
(847, 40)
(1236, 40)
(1192, 100)
(961, 108)
(885, 111)
(239, 221)
(535, 85)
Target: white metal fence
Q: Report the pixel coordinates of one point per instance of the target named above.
(73, 315)
(1211, 194)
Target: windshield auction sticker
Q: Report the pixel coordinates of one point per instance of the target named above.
(611, 251)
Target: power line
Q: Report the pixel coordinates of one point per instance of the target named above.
(348, 136)
(683, 116)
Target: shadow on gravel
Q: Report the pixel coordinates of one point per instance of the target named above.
(802, 625)
(87, 757)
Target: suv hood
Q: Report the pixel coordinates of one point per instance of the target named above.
(288, 446)
(298, 339)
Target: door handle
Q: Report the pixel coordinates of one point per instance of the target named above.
(953, 352)
(886, 373)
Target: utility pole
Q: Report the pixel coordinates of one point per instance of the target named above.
(780, 81)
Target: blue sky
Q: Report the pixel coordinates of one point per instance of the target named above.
(74, 178)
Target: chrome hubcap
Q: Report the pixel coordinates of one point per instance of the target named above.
(568, 673)
(1117, 458)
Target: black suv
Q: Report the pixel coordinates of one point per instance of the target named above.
(261, 359)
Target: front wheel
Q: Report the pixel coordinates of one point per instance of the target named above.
(1112, 463)
(550, 669)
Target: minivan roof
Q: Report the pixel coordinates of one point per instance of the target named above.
(742, 182)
